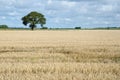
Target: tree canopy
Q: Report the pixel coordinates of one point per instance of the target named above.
(34, 18)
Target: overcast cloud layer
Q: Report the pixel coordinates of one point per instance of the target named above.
(63, 13)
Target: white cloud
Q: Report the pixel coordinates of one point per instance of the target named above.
(68, 4)
(3, 17)
(57, 20)
(90, 18)
(117, 15)
(106, 8)
(68, 19)
(14, 13)
(49, 2)
(83, 8)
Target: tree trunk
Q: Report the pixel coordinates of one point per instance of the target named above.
(32, 28)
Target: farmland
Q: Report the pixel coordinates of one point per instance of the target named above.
(60, 55)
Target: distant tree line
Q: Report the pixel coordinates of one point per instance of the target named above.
(107, 28)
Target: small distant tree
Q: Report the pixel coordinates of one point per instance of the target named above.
(3, 26)
(34, 18)
(77, 27)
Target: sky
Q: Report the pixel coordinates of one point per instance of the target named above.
(63, 13)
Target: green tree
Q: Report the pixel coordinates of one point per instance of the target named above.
(3, 26)
(34, 18)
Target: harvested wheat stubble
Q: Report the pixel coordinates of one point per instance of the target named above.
(60, 55)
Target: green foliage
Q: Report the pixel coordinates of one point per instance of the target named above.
(3, 26)
(34, 18)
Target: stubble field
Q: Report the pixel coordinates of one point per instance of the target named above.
(60, 55)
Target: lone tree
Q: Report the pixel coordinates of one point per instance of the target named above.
(34, 18)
